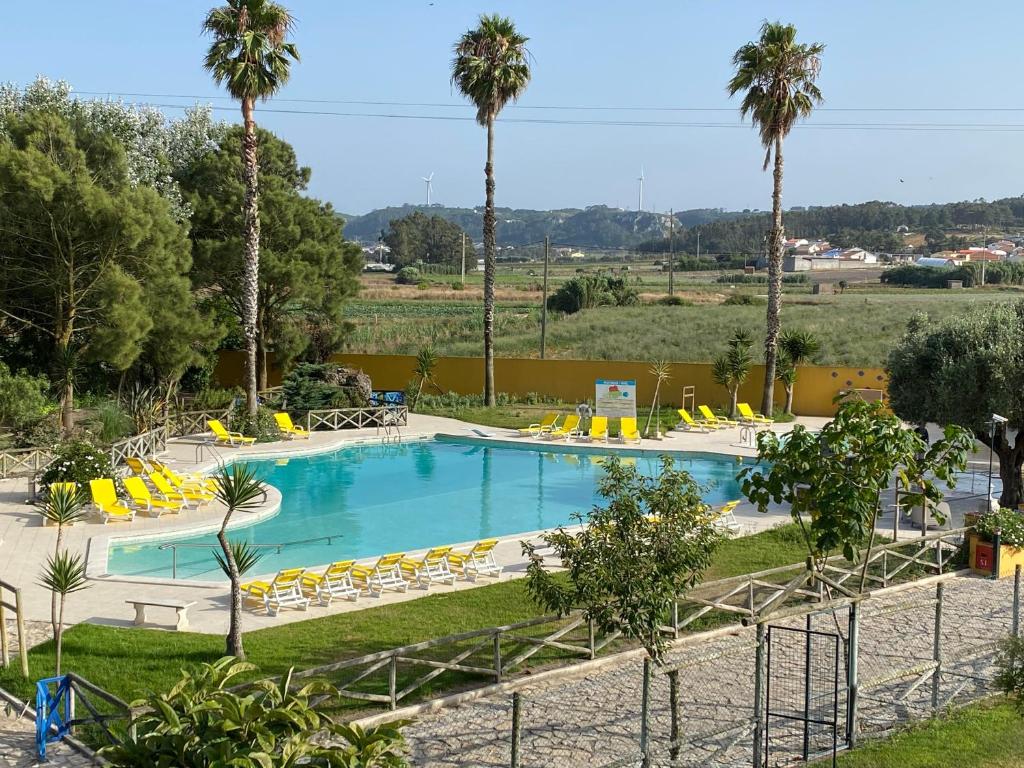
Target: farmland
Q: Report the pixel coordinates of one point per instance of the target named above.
(856, 328)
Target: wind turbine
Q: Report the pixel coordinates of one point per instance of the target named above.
(640, 194)
(430, 187)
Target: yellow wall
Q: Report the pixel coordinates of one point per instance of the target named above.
(573, 380)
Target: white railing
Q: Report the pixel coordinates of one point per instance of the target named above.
(182, 423)
(27, 461)
(358, 418)
(148, 443)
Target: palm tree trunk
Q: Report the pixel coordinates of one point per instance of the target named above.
(789, 399)
(234, 639)
(734, 396)
(490, 247)
(773, 321)
(58, 637)
(251, 264)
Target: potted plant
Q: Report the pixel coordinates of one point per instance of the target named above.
(1010, 525)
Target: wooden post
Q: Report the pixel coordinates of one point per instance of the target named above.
(517, 726)
(759, 681)
(393, 682)
(673, 705)
(22, 640)
(497, 657)
(5, 654)
(645, 711)
(591, 638)
(852, 673)
(937, 647)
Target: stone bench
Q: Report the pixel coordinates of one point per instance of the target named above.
(178, 605)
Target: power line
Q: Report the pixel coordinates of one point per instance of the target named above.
(603, 108)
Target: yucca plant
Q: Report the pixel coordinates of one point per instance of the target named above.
(238, 489)
(64, 574)
(246, 557)
(662, 372)
(732, 368)
(426, 362)
(63, 504)
(796, 348)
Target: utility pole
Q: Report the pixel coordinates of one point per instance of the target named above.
(463, 258)
(544, 304)
(671, 250)
(698, 243)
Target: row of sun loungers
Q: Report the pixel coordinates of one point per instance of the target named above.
(298, 587)
(709, 422)
(223, 436)
(549, 429)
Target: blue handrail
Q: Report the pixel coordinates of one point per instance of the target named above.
(53, 712)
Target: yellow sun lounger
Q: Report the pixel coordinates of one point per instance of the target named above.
(431, 567)
(104, 497)
(747, 415)
(687, 422)
(283, 591)
(190, 481)
(143, 499)
(570, 428)
(598, 429)
(628, 433)
(542, 427)
(136, 465)
(479, 561)
(284, 423)
(725, 519)
(222, 436)
(183, 495)
(713, 421)
(385, 573)
(335, 581)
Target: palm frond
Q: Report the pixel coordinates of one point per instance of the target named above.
(64, 573)
(491, 66)
(246, 557)
(64, 504)
(239, 487)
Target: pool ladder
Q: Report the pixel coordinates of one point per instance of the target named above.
(391, 427)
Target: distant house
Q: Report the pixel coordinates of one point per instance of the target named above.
(935, 260)
(979, 254)
(1002, 245)
(794, 242)
(858, 254)
(812, 249)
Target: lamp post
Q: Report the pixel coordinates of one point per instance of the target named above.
(996, 419)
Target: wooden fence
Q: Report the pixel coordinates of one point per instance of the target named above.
(182, 423)
(10, 600)
(148, 443)
(357, 418)
(25, 462)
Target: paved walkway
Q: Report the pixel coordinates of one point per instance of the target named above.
(595, 720)
(18, 745)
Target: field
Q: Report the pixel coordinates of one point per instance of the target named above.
(858, 327)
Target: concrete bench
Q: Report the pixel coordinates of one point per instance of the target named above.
(178, 605)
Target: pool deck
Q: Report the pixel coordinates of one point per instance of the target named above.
(25, 544)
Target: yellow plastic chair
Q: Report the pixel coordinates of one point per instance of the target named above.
(284, 423)
(189, 481)
(478, 561)
(285, 590)
(687, 422)
(432, 566)
(182, 495)
(598, 429)
(104, 498)
(334, 581)
(713, 421)
(725, 518)
(136, 465)
(222, 436)
(542, 427)
(747, 415)
(385, 573)
(142, 498)
(628, 433)
(570, 428)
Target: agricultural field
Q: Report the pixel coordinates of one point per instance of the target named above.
(858, 327)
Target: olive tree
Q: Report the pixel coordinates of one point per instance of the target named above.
(633, 557)
(961, 370)
(832, 480)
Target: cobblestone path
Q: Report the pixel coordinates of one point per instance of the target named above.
(595, 720)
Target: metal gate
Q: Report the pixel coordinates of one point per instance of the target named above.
(802, 695)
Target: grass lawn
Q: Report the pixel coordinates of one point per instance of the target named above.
(989, 735)
(129, 662)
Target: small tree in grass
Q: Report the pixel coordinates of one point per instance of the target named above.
(662, 372)
(634, 556)
(832, 480)
(63, 575)
(732, 368)
(238, 489)
(796, 348)
(203, 721)
(426, 363)
(1010, 670)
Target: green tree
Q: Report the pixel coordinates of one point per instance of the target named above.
(90, 262)
(832, 480)
(731, 368)
(490, 68)
(426, 364)
(657, 531)
(63, 575)
(961, 370)
(777, 77)
(206, 721)
(306, 271)
(430, 239)
(251, 56)
(63, 505)
(238, 489)
(796, 348)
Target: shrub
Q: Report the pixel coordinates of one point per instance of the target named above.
(111, 423)
(742, 300)
(315, 386)
(745, 279)
(77, 461)
(407, 276)
(674, 301)
(589, 291)
(457, 286)
(23, 400)
(261, 426)
(1009, 523)
(423, 285)
(215, 398)
(1010, 670)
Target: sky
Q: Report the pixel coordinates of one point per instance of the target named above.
(886, 65)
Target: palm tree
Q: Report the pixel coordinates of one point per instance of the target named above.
(795, 348)
(64, 574)
(426, 362)
(777, 77)
(62, 505)
(662, 372)
(732, 368)
(238, 489)
(490, 69)
(250, 56)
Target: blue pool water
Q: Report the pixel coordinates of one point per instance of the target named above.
(380, 499)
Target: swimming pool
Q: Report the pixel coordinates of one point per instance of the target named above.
(390, 498)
